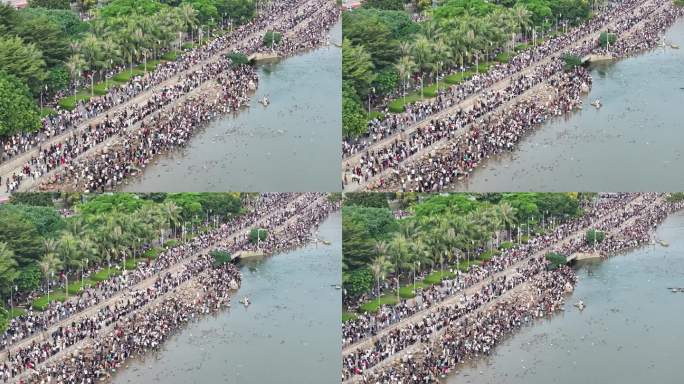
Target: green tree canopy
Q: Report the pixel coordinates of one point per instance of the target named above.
(47, 36)
(21, 237)
(18, 112)
(357, 67)
(22, 60)
(354, 121)
(50, 4)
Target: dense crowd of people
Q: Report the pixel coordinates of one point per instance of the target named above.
(468, 138)
(628, 220)
(619, 14)
(478, 333)
(259, 212)
(141, 138)
(123, 328)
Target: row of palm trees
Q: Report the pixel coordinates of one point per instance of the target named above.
(435, 241)
(98, 241)
(466, 40)
(114, 41)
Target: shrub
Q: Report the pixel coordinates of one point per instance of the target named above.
(571, 61)
(260, 232)
(555, 260)
(272, 38)
(220, 257)
(506, 245)
(237, 59)
(170, 243)
(606, 38)
(675, 196)
(360, 281)
(595, 237)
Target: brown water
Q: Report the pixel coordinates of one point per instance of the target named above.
(633, 143)
(290, 333)
(291, 145)
(629, 333)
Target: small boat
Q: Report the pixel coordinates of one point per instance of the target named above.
(264, 101)
(326, 242)
(338, 287)
(245, 301)
(580, 305)
(675, 290)
(597, 103)
(663, 243)
(675, 46)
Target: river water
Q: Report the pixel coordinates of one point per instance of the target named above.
(290, 333)
(633, 143)
(629, 333)
(292, 145)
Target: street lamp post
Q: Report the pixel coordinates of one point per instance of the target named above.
(12, 299)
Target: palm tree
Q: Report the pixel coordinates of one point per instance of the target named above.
(111, 54)
(442, 56)
(431, 30)
(405, 68)
(188, 16)
(48, 265)
(171, 213)
(507, 216)
(92, 52)
(380, 267)
(8, 268)
(523, 18)
(422, 55)
(399, 252)
(75, 65)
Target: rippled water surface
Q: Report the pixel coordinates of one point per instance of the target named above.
(633, 143)
(290, 333)
(291, 145)
(629, 333)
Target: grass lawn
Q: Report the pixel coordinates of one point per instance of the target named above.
(437, 276)
(348, 316)
(132, 263)
(45, 111)
(151, 253)
(15, 312)
(104, 275)
(373, 305)
(503, 57)
(151, 65)
(189, 45)
(127, 75)
(487, 255)
(464, 265)
(70, 102)
(376, 115)
(407, 292)
(458, 77)
(170, 243)
(430, 90)
(41, 303)
(170, 56)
